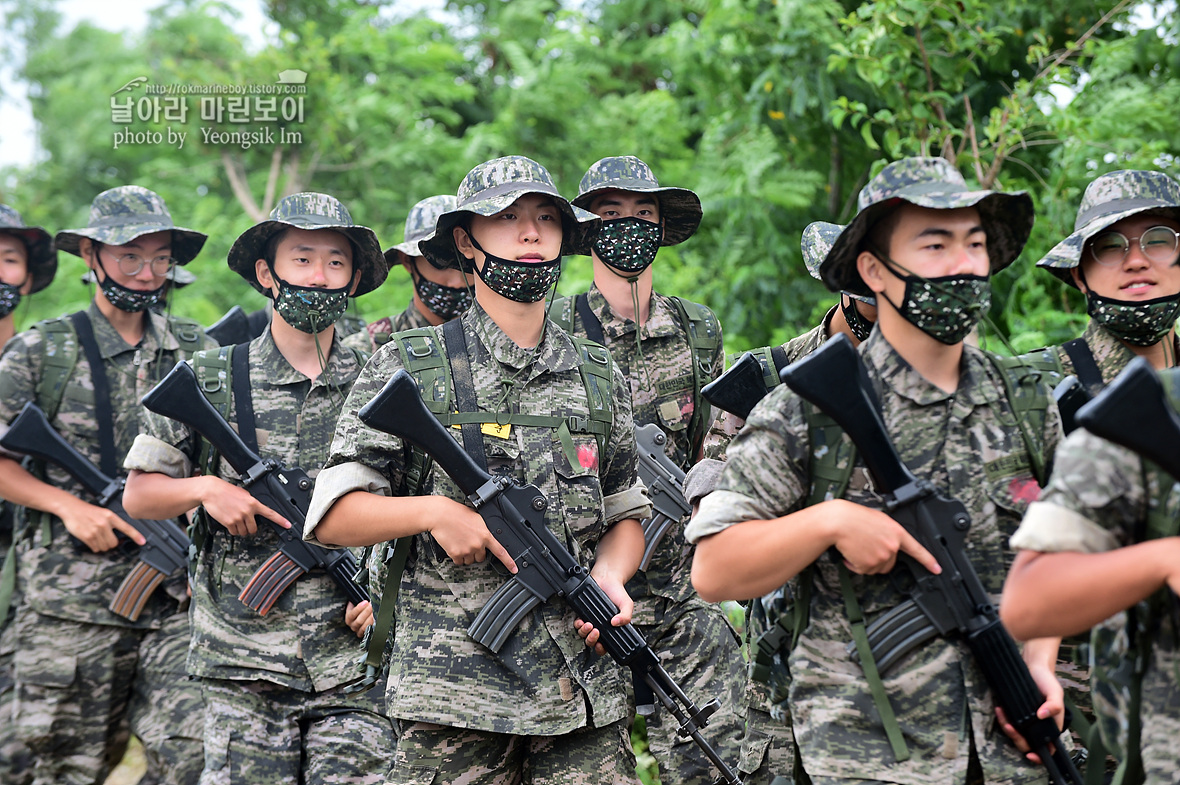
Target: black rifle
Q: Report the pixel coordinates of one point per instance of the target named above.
(739, 388)
(165, 549)
(231, 329)
(1070, 396)
(515, 515)
(953, 602)
(665, 486)
(1134, 411)
(287, 491)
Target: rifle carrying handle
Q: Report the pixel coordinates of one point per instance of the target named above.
(178, 397)
(398, 410)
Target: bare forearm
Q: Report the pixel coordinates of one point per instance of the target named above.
(22, 488)
(156, 496)
(1066, 593)
(619, 551)
(360, 518)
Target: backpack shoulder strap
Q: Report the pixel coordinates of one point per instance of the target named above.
(561, 311)
(59, 355)
(1084, 364)
(597, 369)
(214, 371)
(1028, 379)
(423, 358)
(189, 334)
(704, 337)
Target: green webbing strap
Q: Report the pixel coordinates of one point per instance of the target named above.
(214, 371)
(7, 583)
(188, 334)
(59, 355)
(1095, 766)
(1026, 380)
(383, 627)
(703, 343)
(869, 665)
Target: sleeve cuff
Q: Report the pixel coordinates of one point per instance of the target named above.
(334, 482)
(1049, 528)
(631, 503)
(702, 479)
(149, 454)
(720, 510)
(16, 456)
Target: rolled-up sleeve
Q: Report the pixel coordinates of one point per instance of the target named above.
(335, 482)
(150, 454)
(631, 503)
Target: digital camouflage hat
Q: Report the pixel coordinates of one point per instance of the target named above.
(1108, 200)
(493, 186)
(933, 183)
(818, 239)
(311, 211)
(420, 225)
(680, 208)
(41, 251)
(119, 215)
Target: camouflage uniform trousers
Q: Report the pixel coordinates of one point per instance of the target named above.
(768, 748)
(167, 714)
(430, 754)
(16, 763)
(257, 731)
(73, 686)
(701, 651)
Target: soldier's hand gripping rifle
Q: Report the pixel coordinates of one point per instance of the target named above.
(165, 548)
(1134, 411)
(285, 490)
(665, 484)
(515, 515)
(951, 603)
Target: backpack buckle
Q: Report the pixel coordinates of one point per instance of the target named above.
(577, 424)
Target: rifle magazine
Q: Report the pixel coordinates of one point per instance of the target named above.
(655, 529)
(499, 617)
(269, 582)
(893, 634)
(133, 593)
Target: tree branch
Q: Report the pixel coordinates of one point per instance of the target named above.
(241, 188)
(272, 178)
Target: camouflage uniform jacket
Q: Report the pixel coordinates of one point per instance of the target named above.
(56, 579)
(366, 339)
(662, 393)
(1097, 499)
(1110, 354)
(303, 642)
(966, 444)
(544, 681)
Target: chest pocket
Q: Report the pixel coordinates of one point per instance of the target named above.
(675, 403)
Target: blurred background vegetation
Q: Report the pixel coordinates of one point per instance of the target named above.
(775, 111)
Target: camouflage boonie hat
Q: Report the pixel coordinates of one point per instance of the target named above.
(493, 186)
(119, 215)
(420, 225)
(680, 208)
(933, 183)
(311, 211)
(179, 277)
(1108, 200)
(818, 238)
(41, 251)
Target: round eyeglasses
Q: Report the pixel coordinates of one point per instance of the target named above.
(132, 263)
(1158, 244)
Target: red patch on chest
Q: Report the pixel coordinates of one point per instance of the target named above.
(1024, 489)
(588, 457)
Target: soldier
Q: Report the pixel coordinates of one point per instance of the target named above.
(440, 294)
(275, 707)
(1122, 256)
(28, 262)
(768, 747)
(924, 245)
(558, 416)
(667, 348)
(86, 676)
(1101, 540)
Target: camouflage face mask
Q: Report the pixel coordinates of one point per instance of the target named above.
(521, 282)
(860, 326)
(310, 309)
(445, 302)
(1138, 323)
(629, 244)
(9, 298)
(945, 308)
(132, 300)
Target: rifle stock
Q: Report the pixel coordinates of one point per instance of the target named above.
(231, 329)
(515, 515)
(664, 481)
(740, 388)
(165, 548)
(285, 490)
(954, 602)
(1070, 396)
(1134, 411)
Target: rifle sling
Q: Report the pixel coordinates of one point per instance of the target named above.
(103, 411)
(590, 322)
(243, 398)
(460, 360)
(778, 355)
(1084, 365)
(383, 623)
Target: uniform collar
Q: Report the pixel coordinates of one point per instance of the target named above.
(662, 319)
(413, 317)
(554, 353)
(893, 371)
(111, 344)
(1110, 354)
(264, 354)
